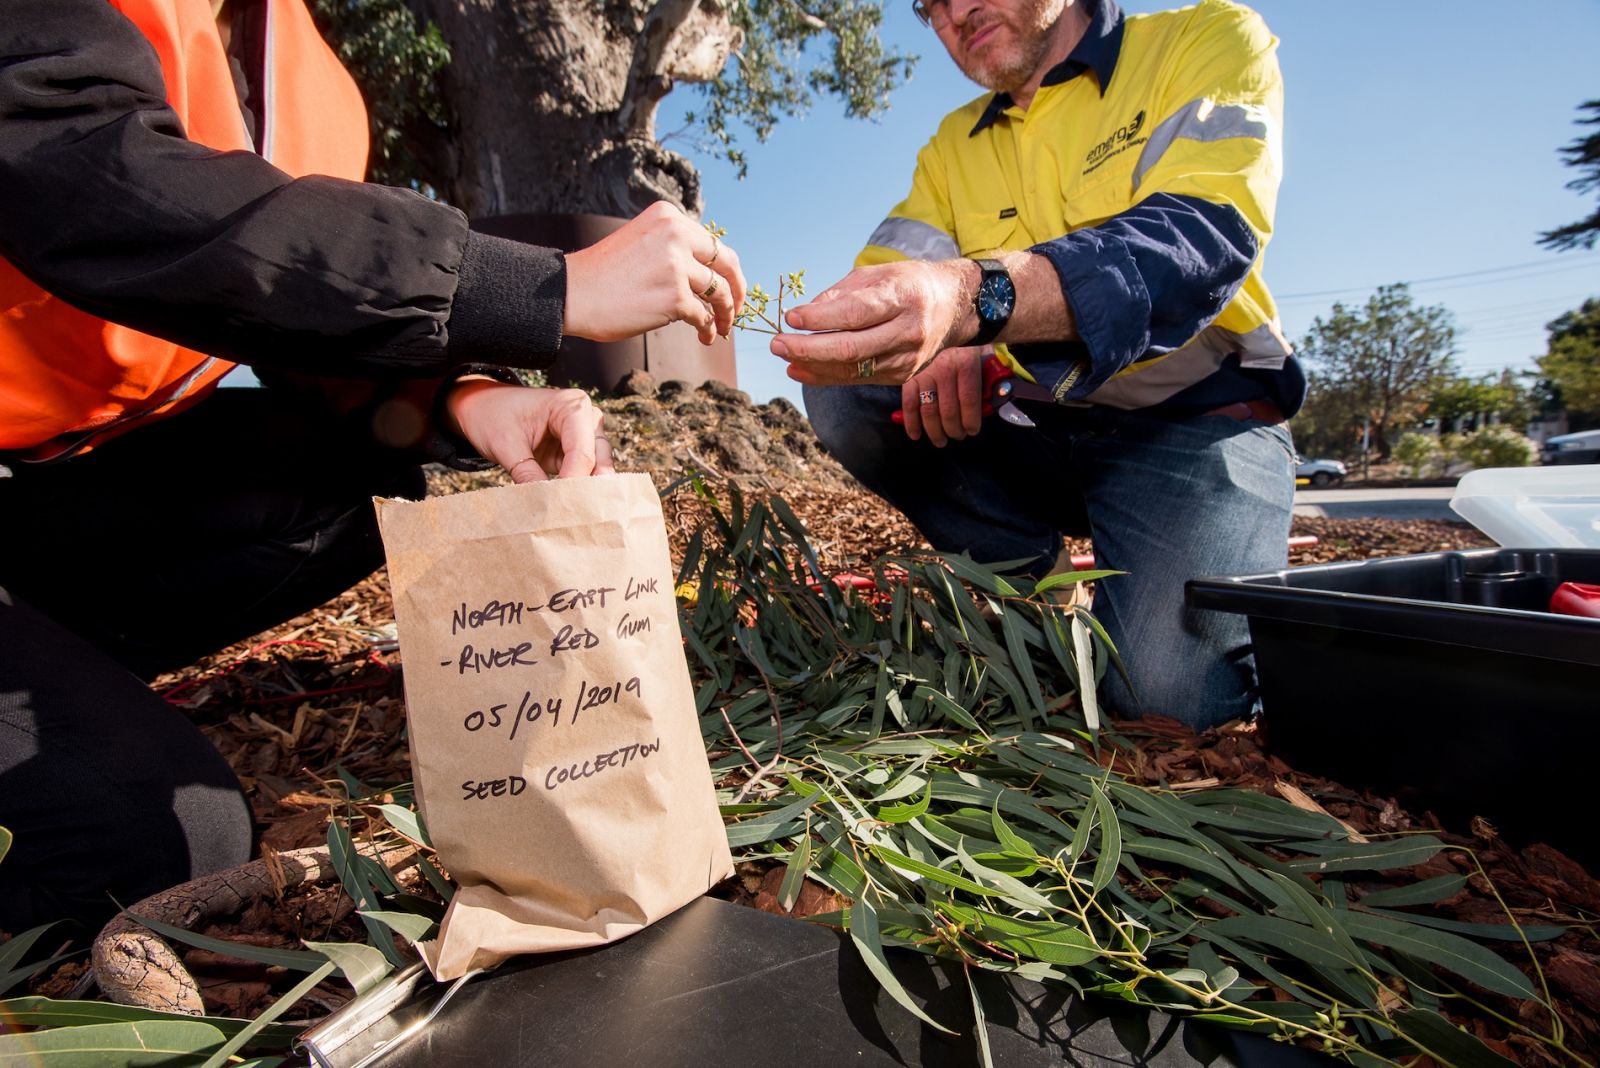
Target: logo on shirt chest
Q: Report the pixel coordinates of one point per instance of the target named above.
(1122, 138)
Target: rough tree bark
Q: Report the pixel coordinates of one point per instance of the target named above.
(579, 81)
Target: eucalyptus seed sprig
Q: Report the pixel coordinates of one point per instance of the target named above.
(758, 300)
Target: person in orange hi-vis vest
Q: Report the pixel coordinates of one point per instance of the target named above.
(180, 193)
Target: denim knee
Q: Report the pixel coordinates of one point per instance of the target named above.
(853, 423)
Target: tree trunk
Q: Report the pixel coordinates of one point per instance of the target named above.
(553, 101)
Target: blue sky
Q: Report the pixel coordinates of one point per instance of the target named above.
(1421, 146)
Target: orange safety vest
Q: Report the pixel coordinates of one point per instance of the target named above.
(68, 379)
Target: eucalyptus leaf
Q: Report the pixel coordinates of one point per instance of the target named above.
(1072, 578)
(1426, 892)
(1381, 855)
(1451, 952)
(1083, 657)
(794, 875)
(136, 1044)
(980, 1027)
(981, 577)
(864, 934)
(1435, 1035)
(411, 926)
(777, 824)
(1008, 839)
(406, 822)
(1110, 848)
(1017, 893)
(362, 966)
(50, 1012)
(293, 959)
(1045, 940)
(929, 871)
(907, 813)
(1494, 932)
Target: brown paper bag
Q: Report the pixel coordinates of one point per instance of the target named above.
(558, 759)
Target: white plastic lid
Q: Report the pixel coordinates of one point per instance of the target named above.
(1533, 507)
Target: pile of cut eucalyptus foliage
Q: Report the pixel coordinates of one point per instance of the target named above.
(925, 751)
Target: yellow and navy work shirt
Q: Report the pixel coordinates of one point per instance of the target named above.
(1146, 170)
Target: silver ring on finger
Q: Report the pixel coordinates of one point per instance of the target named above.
(928, 396)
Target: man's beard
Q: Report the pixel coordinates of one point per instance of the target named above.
(1025, 38)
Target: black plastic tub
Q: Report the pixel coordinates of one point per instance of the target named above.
(1440, 679)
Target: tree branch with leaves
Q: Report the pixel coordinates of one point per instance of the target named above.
(1584, 154)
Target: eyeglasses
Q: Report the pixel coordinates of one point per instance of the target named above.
(930, 11)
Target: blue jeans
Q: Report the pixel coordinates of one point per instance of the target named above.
(1165, 500)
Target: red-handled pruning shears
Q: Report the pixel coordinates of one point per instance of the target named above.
(1001, 386)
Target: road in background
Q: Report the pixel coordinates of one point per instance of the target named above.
(1418, 502)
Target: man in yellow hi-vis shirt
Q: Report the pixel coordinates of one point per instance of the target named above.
(1101, 217)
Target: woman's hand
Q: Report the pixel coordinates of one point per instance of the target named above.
(660, 268)
(532, 433)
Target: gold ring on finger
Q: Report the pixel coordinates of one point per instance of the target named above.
(708, 291)
(867, 368)
(716, 250)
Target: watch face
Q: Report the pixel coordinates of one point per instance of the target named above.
(996, 297)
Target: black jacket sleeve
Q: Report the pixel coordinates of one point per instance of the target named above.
(105, 203)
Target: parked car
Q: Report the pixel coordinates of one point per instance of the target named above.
(1321, 472)
(1579, 448)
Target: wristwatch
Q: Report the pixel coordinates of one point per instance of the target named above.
(994, 301)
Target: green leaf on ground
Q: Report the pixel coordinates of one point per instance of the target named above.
(139, 1044)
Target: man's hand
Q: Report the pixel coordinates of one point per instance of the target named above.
(892, 319)
(532, 433)
(944, 400)
(898, 316)
(660, 268)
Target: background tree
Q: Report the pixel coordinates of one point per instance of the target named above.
(550, 105)
(1584, 154)
(1570, 368)
(397, 64)
(1465, 403)
(1378, 365)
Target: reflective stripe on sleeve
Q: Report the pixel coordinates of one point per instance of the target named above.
(1149, 382)
(1265, 346)
(1204, 120)
(915, 240)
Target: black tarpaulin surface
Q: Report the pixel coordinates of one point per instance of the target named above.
(721, 984)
